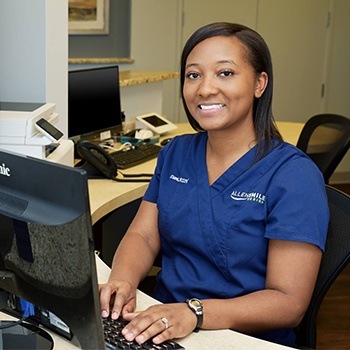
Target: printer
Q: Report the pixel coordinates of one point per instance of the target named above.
(20, 133)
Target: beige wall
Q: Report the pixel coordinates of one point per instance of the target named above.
(306, 52)
(156, 43)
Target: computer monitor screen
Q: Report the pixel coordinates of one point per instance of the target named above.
(46, 242)
(94, 102)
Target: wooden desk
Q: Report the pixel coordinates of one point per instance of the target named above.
(203, 340)
(107, 195)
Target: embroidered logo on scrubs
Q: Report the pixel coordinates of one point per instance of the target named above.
(179, 179)
(245, 196)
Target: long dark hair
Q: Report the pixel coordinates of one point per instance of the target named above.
(260, 59)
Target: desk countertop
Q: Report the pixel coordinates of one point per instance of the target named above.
(203, 340)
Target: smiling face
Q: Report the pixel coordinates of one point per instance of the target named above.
(220, 85)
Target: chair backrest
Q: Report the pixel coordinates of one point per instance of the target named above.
(325, 138)
(335, 259)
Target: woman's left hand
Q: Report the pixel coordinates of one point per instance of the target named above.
(159, 323)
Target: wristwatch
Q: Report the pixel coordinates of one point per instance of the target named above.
(196, 306)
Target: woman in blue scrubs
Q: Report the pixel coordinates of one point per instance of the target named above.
(239, 216)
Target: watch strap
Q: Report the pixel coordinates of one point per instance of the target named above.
(199, 314)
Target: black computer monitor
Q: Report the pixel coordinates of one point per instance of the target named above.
(94, 103)
(46, 242)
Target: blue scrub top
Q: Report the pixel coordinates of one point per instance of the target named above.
(215, 238)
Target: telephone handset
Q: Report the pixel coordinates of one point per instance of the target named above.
(98, 158)
(98, 163)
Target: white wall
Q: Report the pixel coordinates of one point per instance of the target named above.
(34, 53)
(22, 41)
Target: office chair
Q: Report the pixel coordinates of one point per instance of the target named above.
(335, 259)
(325, 138)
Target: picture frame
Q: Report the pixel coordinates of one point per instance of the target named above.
(88, 17)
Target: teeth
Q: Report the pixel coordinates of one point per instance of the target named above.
(216, 106)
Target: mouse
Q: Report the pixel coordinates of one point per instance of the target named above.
(166, 141)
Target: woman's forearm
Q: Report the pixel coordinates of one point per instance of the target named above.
(133, 259)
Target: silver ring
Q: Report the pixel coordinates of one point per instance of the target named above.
(166, 322)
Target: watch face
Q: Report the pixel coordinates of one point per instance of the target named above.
(196, 303)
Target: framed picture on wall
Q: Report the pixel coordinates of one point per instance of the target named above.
(89, 17)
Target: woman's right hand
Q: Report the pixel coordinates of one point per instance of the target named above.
(117, 298)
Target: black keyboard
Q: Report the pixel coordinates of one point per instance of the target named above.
(114, 339)
(135, 155)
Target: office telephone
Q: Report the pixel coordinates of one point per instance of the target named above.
(97, 161)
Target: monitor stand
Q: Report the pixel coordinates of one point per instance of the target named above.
(24, 336)
(21, 335)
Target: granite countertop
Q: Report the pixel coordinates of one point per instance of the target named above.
(128, 77)
(136, 77)
(87, 60)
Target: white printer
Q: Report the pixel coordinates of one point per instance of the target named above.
(20, 132)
